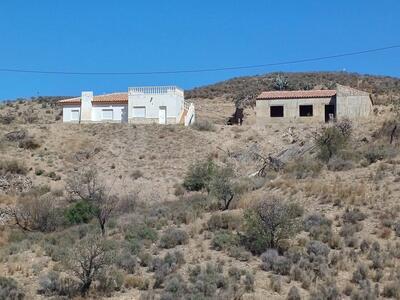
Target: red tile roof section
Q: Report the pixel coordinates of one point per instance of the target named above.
(108, 98)
(296, 94)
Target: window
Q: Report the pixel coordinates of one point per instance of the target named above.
(107, 114)
(74, 114)
(306, 110)
(139, 112)
(276, 111)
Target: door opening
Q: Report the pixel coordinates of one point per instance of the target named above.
(162, 115)
(330, 112)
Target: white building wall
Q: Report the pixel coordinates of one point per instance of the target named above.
(173, 100)
(120, 112)
(68, 112)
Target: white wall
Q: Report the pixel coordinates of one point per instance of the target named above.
(152, 102)
(67, 112)
(120, 112)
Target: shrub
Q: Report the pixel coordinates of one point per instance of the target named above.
(199, 175)
(9, 289)
(326, 290)
(391, 290)
(224, 240)
(110, 280)
(360, 274)
(293, 294)
(339, 164)
(319, 228)
(127, 262)
(173, 237)
(249, 282)
(80, 212)
(137, 282)
(141, 232)
(29, 143)
(271, 261)
(12, 167)
(224, 220)
(276, 283)
(206, 280)
(397, 228)
(317, 248)
(378, 152)
(329, 142)
(204, 125)
(39, 172)
(6, 119)
(345, 127)
(165, 266)
(52, 284)
(269, 222)
(175, 288)
(34, 213)
(353, 216)
(303, 168)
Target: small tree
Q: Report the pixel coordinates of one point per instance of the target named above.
(269, 222)
(87, 187)
(87, 260)
(329, 142)
(221, 187)
(281, 83)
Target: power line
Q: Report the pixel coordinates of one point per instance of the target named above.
(289, 62)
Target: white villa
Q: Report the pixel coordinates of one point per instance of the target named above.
(140, 105)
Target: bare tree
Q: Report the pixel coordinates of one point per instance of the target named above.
(31, 213)
(87, 260)
(88, 187)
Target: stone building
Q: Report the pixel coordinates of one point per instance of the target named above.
(312, 105)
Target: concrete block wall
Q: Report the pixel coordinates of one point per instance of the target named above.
(291, 110)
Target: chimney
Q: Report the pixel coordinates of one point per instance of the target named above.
(86, 106)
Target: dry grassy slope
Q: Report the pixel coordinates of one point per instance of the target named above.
(163, 153)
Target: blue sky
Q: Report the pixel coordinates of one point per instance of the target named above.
(130, 36)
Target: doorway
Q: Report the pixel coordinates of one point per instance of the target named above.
(162, 115)
(330, 112)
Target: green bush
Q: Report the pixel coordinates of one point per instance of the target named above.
(141, 232)
(224, 240)
(80, 212)
(269, 222)
(199, 175)
(9, 289)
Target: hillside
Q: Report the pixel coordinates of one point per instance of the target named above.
(383, 89)
(162, 192)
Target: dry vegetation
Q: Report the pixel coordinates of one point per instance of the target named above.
(167, 212)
